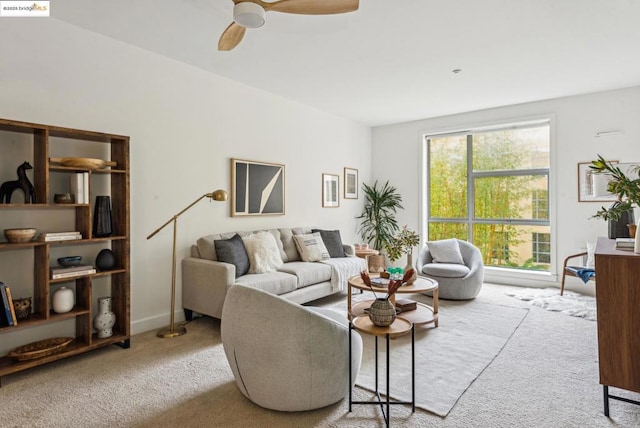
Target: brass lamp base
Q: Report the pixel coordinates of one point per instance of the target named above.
(168, 332)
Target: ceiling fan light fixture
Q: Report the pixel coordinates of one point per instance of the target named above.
(248, 14)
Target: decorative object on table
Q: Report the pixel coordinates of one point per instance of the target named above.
(406, 305)
(22, 308)
(403, 243)
(19, 235)
(22, 183)
(632, 230)
(257, 188)
(106, 319)
(69, 261)
(64, 198)
(40, 349)
(102, 224)
(378, 221)
(172, 330)
(105, 260)
(83, 163)
(330, 190)
(63, 300)
(627, 190)
(382, 312)
(350, 183)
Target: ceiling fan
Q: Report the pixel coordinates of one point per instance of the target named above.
(250, 14)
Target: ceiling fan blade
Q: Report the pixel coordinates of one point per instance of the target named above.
(231, 37)
(311, 7)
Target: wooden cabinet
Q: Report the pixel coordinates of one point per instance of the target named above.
(20, 141)
(618, 306)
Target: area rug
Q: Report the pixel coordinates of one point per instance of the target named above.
(448, 358)
(574, 304)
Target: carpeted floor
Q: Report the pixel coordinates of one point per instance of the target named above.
(545, 376)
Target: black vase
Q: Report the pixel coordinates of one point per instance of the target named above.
(618, 228)
(105, 260)
(102, 225)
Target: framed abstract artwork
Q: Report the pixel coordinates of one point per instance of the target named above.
(350, 183)
(330, 190)
(257, 188)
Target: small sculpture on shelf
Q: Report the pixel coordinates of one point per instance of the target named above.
(22, 308)
(22, 183)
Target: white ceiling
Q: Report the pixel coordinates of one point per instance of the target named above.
(392, 60)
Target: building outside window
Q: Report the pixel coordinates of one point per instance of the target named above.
(491, 187)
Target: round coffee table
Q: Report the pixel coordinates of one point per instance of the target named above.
(423, 314)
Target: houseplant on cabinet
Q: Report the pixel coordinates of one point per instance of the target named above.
(378, 218)
(626, 188)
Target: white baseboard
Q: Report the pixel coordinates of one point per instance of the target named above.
(155, 322)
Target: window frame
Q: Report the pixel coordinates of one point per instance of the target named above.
(493, 273)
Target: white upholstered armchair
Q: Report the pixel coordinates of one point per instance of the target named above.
(285, 356)
(456, 265)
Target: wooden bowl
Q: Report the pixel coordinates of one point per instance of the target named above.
(83, 163)
(19, 235)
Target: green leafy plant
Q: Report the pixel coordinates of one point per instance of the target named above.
(378, 218)
(627, 189)
(402, 243)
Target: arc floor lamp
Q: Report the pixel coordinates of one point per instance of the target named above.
(172, 330)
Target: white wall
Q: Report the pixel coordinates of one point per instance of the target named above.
(576, 121)
(185, 125)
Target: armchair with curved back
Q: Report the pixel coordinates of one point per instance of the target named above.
(456, 281)
(285, 356)
(578, 271)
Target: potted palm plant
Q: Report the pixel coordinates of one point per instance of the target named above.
(378, 222)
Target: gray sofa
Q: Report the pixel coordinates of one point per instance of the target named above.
(206, 279)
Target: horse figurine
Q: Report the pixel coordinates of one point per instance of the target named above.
(22, 183)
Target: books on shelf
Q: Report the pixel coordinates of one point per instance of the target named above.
(59, 236)
(70, 272)
(625, 242)
(7, 313)
(79, 185)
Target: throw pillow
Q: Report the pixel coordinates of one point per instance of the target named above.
(332, 241)
(311, 247)
(264, 255)
(445, 251)
(232, 251)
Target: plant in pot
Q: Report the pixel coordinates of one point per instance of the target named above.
(403, 243)
(626, 188)
(378, 222)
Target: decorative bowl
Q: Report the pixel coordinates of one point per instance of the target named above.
(19, 235)
(70, 261)
(84, 163)
(63, 198)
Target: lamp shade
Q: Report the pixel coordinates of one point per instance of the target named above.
(218, 195)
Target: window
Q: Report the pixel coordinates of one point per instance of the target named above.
(491, 188)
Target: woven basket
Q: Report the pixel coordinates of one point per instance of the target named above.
(40, 349)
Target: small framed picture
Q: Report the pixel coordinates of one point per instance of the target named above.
(593, 187)
(350, 183)
(330, 190)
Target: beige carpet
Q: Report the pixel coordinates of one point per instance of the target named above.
(545, 376)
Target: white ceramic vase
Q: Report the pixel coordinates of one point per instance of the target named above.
(63, 300)
(410, 266)
(104, 321)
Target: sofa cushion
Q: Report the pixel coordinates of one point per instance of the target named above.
(271, 282)
(264, 255)
(307, 273)
(289, 247)
(332, 241)
(446, 270)
(232, 251)
(276, 234)
(311, 247)
(205, 245)
(445, 251)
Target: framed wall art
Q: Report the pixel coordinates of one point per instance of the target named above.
(330, 190)
(350, 183)
(592, 187)
(257, 188)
